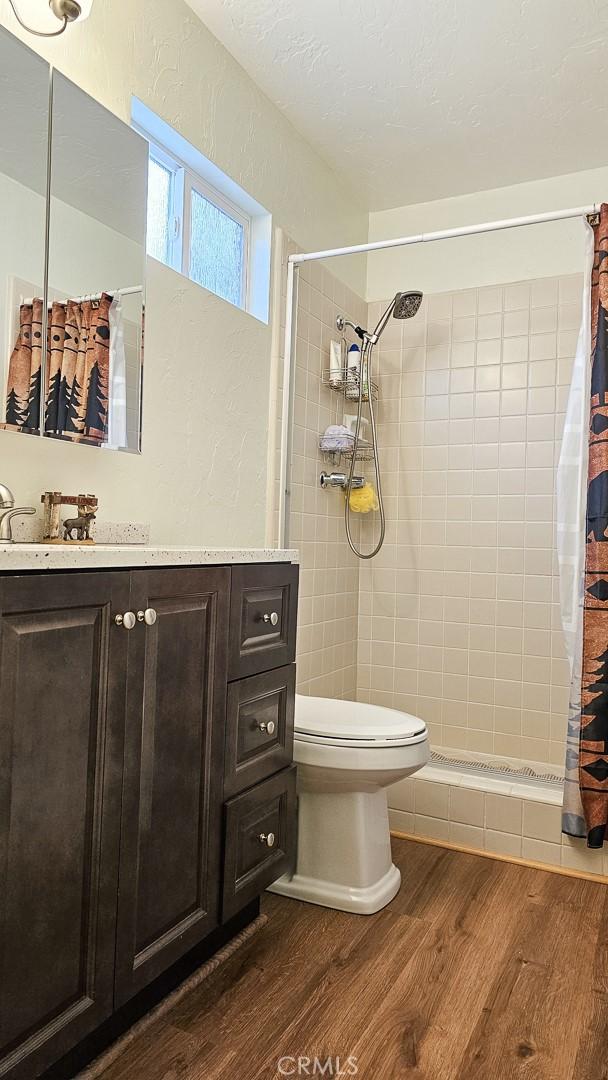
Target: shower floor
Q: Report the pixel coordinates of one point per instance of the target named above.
(490, 765)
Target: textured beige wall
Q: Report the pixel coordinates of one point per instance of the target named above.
(202, 476)
(555, 248)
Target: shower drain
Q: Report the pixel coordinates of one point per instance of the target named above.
(496, 768)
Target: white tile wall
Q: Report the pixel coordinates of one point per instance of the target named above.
(329, 573)
(457, 619)
(458, 615)
(520, 820)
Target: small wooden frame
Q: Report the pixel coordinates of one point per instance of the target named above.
(52, 502)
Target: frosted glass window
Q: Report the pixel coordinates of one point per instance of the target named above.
(216, 250)
(159, 204)
(201, 223)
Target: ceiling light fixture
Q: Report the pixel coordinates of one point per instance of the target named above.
(66, 11)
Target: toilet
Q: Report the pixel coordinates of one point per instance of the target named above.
(348, 753)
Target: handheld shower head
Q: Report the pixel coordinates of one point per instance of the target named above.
(403, 306)
(407, 304)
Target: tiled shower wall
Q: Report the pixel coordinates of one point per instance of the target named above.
(329, 574)
(458, 615)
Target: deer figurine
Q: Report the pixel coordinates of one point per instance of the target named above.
(82, 524)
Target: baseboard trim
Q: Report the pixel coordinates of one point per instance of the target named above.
(565, 871)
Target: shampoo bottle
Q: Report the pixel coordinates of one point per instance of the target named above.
(353, 374)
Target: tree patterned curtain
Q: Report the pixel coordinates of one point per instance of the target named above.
(78, 371)
(24, 372)
(586, 800)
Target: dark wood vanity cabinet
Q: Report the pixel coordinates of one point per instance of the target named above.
(260, 838)
(63, 675)
(259, 728)
(172, 785)
(144, 798)
(263, 610)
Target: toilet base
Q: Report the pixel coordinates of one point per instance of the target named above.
(344, 856)
(360, 901)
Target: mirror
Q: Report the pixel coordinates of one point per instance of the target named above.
(24, 102)
(97, 252)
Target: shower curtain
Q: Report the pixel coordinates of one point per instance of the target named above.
(84, 394)
(582, 514)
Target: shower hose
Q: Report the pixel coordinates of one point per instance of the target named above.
(366, 367)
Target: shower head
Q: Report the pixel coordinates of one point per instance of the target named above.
(403, 306)
(406, 304)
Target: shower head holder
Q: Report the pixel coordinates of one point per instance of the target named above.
(342, 323)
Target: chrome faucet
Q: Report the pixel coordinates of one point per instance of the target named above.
(8, 511)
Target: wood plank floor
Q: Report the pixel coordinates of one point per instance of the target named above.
(478, 970)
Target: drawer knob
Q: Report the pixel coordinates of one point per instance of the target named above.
(268, 839)
(271, 618)
(127, 620)
(266, 728)
(148, 616)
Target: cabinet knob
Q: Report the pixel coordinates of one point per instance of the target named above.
(271, 618)
(148, 616)
(268, 839)
(267, 728)
(127, 620)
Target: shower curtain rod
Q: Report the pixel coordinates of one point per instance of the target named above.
(447, 234)
(90, 296)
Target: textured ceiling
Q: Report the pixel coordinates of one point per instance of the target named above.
(420, 100)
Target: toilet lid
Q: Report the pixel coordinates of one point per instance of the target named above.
(354, 722)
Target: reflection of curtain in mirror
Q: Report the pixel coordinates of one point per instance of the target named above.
(79, 370)
(23, 383)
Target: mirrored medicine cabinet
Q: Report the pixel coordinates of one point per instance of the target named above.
(73, 180)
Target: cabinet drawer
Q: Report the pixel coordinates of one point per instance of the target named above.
(260, 839)
(259, 728)
(263, 610)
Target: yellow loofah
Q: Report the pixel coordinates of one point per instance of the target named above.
(363, 500)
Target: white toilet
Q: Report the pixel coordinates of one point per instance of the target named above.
(347, 754)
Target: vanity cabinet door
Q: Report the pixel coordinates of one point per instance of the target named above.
(171, 824)
(62, 693)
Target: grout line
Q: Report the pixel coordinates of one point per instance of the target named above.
(601, 879)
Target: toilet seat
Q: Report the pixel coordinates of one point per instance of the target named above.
(354, 724)
(364, 744)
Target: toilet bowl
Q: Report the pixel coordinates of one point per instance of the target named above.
(348, 753)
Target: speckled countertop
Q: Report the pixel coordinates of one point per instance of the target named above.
(109, 556)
